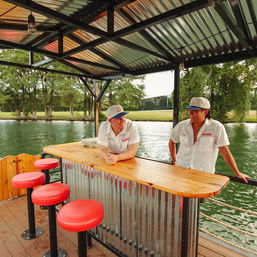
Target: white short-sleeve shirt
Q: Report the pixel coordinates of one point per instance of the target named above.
(201, 155)
(118, 144)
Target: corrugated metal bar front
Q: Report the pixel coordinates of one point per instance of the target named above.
(193, 224)
(138, 220)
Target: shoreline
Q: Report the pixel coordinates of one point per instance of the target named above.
(89, 120)
(63, 119)
(144, 115)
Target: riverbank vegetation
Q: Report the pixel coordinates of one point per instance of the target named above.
(26, 94)
(155, 115)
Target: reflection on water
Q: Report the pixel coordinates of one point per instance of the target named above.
(243, 145)
(31, 136)
(154, 137)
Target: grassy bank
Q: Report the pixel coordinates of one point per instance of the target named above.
(160, 115)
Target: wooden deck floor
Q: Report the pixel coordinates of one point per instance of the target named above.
(13, 221)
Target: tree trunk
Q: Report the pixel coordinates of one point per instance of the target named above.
(71, 107)
(47, 117)
(50, 110)
(24, 113)
(18, 114)
(110, 99)
(34, 115)
(50, 104)
(91, 108)
(85, 105)
(34, 106)
(44, 89)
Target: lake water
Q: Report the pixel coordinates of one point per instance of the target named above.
(31, 136)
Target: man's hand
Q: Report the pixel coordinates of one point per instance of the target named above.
(111, 158)
(228, 157)
(242, 176)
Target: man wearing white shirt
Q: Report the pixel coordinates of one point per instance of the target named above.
(201, 138)
(118, 137)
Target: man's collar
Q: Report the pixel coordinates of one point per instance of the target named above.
(206, 122)
(109, 127)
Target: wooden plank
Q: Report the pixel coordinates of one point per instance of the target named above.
(41, 216)
(70, 235)
(166, 177)
(19, 206)
(11, 166)
(205, 251)
(8, 170)
(18, 224)
(4, 250)
(26, 162)
(9, 239)
(2, 181)
(211, 248)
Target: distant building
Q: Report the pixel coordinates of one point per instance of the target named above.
(157, 103)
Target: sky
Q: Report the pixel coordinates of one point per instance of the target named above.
(159, 83)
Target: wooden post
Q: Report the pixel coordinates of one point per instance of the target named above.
(31, 58)
(96, 109)
(176, 97)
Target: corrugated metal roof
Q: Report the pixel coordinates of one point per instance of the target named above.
(114, 38)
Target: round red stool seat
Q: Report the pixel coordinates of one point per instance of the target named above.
(28, 179)
(80, 215)
(50, 194)
(46, 163)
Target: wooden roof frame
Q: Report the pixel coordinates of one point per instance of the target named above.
(241, 43)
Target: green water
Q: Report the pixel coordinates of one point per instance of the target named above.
(31, 136)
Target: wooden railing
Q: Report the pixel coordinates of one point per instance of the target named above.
(11, 166)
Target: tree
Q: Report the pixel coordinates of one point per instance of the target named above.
(127, 92)
(88, 100)
(254, 98)
(23, 90)
(192, 84)
(18, 83)
(227, 86)
(50, 90)
(70, 93)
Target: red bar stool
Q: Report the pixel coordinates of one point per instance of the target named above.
(45, 165)
(50, 195)
(80, 216)
(29, 180)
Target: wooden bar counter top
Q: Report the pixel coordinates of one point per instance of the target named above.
(163, 176)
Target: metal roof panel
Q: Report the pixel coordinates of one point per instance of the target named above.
(146, 35)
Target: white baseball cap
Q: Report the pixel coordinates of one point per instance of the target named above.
(197, 103)
(115, 112)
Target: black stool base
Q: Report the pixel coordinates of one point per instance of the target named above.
(27, 236)
(61, 253)
(44, 207)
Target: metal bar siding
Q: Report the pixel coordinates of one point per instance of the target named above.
(138, 220)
